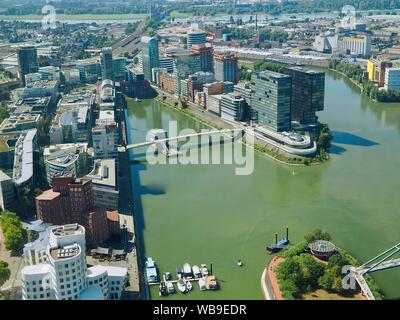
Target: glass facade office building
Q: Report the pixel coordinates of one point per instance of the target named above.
(150, 55)
(308, 94)
(27, 62)
(271, 100)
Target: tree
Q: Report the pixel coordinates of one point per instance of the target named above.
(311, 271)
(13, 238)
(325, 139)
(9, 218)
(5, 272)
(317, 234)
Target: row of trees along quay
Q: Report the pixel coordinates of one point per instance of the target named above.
(355, 72)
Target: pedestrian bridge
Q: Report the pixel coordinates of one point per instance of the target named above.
(378, 263)
(165, 140)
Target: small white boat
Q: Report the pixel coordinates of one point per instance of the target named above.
(168, 276)
(196, 271)
(202, 284)
(182, 286)
(170, 287)
(189, 285)
(204, 270)
(240, 263)
(187, 270)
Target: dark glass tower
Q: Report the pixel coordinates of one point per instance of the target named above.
(27, 62)
(308, 94)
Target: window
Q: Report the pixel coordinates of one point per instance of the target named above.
(62, 287)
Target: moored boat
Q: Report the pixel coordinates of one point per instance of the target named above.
(179, 272)
(204, 270)
(151, 271)
(196, 271)
(163, 289)
(202, 284)
(168, 276)
(182, 286)
(170, 287)
(189, 285)
(187, 270)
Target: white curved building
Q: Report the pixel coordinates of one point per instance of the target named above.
(65, 275)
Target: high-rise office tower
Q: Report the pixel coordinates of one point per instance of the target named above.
(150, 55)
(27, 62)
(206, 56)
(196, 37)
(271, 99)
(308, 94)
(226, 67)
(106, 62)
(185, 63)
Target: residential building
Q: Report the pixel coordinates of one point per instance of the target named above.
(308, 94)
(106, 64)
(271, 99)
(68, 159)
(226, 67)
(27, 62)
(233, 107)
(62, 273)
(392, 79)
(150, 55)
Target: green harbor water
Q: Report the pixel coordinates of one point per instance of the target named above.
(207, 214)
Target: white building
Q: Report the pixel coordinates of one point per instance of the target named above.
(105, 136)
(62, 273)
(392, 79)
(104, 182)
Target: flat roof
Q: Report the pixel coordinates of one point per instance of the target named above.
(48, 195)
(36, 269)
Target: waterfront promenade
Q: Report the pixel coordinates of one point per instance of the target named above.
(269, 282)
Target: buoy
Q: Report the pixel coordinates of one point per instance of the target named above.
(240, 263)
